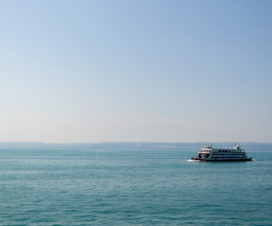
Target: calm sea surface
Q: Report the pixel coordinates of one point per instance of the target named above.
(144, 184)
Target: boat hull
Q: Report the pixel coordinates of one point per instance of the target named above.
(222, 160)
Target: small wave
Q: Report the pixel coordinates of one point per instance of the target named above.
(192, 160)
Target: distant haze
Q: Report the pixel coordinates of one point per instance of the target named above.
(148, 71)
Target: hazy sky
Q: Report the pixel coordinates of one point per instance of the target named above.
(150, 70)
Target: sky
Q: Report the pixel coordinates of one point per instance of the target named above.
(139, 71)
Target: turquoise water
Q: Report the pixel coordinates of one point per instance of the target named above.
(132, 184)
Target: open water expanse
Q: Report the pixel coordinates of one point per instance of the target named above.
(132, 183)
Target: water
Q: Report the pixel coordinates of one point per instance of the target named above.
(127, 184)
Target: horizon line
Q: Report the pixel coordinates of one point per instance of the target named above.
(133, 142)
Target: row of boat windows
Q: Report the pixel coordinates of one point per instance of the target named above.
(228, 155)
(224, 152)
(220, 154)
(227, 158)
(235, 151)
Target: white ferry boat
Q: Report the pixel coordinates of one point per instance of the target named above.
(209, 153)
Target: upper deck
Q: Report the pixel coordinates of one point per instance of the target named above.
(209, 149)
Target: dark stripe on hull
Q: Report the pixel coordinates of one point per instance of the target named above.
(215, 160)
